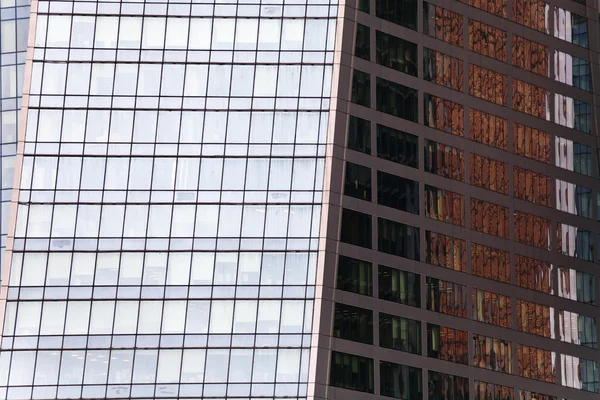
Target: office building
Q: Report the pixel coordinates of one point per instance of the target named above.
(302, 200)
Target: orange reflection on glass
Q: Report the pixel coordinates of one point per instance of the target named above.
(532, 230)
(531, 13)
(491, 308)
(487, 40)
(444, 205)
(532, 186)
(446, 297)
(487, 391)
(536, 363)
(497, 7)
(534, 318)
(448, 26)
(530, 99)
(534, 274)
(491, 353)
(489, 218)
(443, 69)
(488, 173)
(446, 251)
(530, 56)
(447, 344)
(488, 129)
(444, 115)
(531, 143)
(444, 160)
(490, 263)
(488, 85)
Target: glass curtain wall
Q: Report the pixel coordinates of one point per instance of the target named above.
(170, 200)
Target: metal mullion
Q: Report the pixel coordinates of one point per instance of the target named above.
(198, 190)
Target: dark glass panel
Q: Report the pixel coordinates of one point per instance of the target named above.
(401, 12)
(359, 134)
(396, 53)
(399, 333)
(399, 286)
(397, 146)
(356, 228)
(362, 48)
(446, 297)
(397, 100)
(447, 387)
(358, 181)
(353, 323)
(448, 344)
(400, 381)
(443, 69)
(398, 239)
(397, 192)
(351, 372)
(355, 276)
(361, 88)
(444, 160)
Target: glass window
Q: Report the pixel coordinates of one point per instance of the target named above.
(400, 381)
(447, 387)
(583, 117)
(581, 74)
(531, 99)
(444, 205)
(447, 344)
(490, 218)
(487, 40)
(446, 297)
(397, 146)
(446, 251)
(527, 395)
(492, 308)
(532, 143)
(399, 286)
(444, 115)
(488, 129)
(351, 372)
(531, 13)
(492, 86)
(361, 88)
(490, 263)
(443, 24)
(579, 31)
(488, 173)
(534, 318)
(364, 6)
(397, 100)
(400, 333)
(356, 228)
(538, 364)
(362, 49)
(353, 323)
(575, 242)
(582, 204)
(444, 160)
(398, 239)
(531, 56)
(534, 274)
(403, 12)
(397, 192)
(493, 354)
(358, 181)
(355, 276)
(578, 329)
(492, 391)
(359, 134)
(443, 69)
(396, 53)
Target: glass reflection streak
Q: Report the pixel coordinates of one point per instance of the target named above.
(168, 221)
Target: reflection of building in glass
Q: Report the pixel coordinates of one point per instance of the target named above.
(300, 200)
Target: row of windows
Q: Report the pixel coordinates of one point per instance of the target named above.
(400, 286)
(399, 381)
(401, 147)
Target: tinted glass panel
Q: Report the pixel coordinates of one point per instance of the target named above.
(397, 100)
(447, 387)
(398, 239)
(447, 344)
(359, 134)
(351, 372)
(355, 276)
(401, 12)
(397, 192)
(397, 146)
(400, 381)
(356, 228)
(399, 286)
(396, 53)
(358, 181)
(353, 323)
(361, 88)
(399, 333)
(363, 42)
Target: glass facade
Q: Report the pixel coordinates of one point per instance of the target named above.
(243, 199)
(169, 200)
